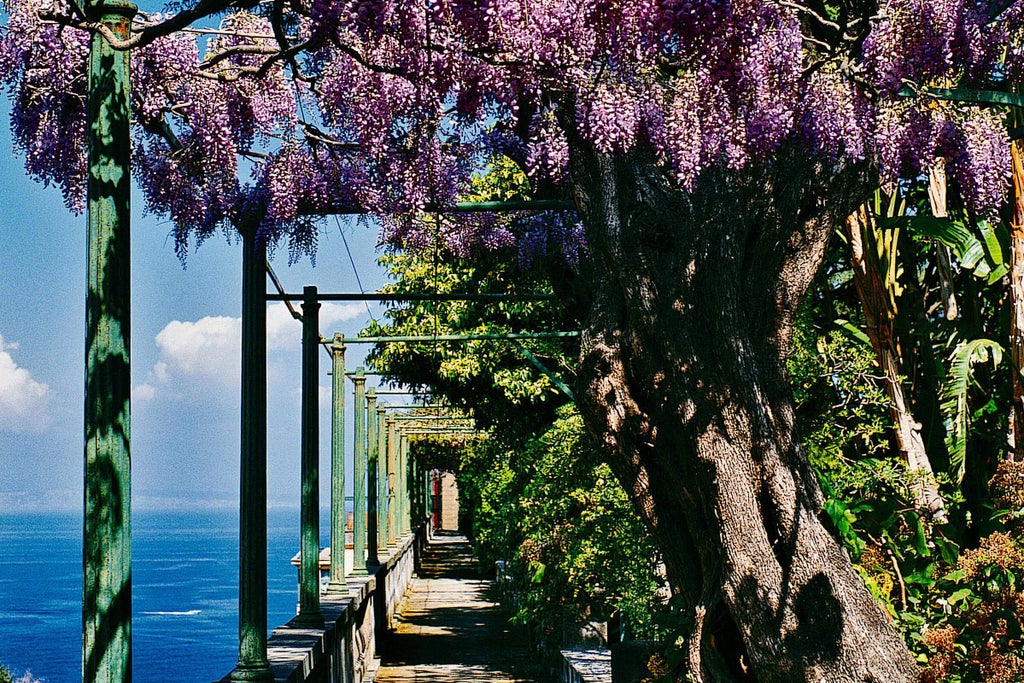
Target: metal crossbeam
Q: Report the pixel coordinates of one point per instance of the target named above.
(414, 296)
(461, 337)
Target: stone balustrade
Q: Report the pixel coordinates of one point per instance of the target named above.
(345, 650)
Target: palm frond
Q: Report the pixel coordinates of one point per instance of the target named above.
(953, 401)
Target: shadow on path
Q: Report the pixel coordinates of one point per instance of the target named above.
(449, 630)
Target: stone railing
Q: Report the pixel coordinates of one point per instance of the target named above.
(585, 666)
(345, 650)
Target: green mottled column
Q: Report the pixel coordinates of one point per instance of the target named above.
(309, 509)
(414, 490)
(107, 539)
(337, 582)
(424, 494)
(382, 480)
(403, 487)
(252, 513)
(371, 478)
(392, 519)
(359, 475)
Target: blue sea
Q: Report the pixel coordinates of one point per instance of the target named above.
(185, 592)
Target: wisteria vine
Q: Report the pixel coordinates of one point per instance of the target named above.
(288, 111)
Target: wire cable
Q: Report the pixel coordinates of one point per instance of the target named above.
(355, 270)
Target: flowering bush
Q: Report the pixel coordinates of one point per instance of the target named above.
(978, 633)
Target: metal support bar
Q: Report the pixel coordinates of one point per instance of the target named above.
(371, 478)
(359, 476)
(408, 297)
(433, 418)
(107, 540)
(309, 513)
(462, 337)
(543, 368)
(426, 430)
(410, 406)
(462, 207)
(338, 517)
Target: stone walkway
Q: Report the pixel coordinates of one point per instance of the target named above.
(450, 630)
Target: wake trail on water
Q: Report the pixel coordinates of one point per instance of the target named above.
(187, 613)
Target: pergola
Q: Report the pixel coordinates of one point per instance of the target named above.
(106, 603)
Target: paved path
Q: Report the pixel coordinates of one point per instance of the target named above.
(449, 630)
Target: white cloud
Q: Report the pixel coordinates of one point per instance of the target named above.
(207, 353)
(24, 402)
(285, 332)
(207, 350)
(143, 392)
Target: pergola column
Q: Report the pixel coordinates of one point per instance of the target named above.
(371, 478)
(403, 489)
(252, 537)
(393, 532)
(428, 497)
(107, 540)
(309, 509)
(382, 479)
(415, 499)
(338, 517)
(359, 511)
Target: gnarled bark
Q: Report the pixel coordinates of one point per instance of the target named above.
(684, 387)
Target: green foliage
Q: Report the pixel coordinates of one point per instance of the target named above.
(534, 494)
(540, 499)
(502, 181)
(979, 246)
(487, 377)
(5, 674)
(974, 630)
(956, 600)
(574, 548)
(842, 409)
(584, 553)
(955, 400)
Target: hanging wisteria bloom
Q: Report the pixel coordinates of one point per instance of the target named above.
(388, 106)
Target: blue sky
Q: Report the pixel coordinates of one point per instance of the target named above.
(185, 407)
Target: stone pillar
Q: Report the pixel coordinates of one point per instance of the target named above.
(309, 509)
(338, 517)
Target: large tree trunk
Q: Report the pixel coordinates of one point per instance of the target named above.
(683, 385)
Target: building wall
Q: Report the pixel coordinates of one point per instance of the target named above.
(449, 503)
